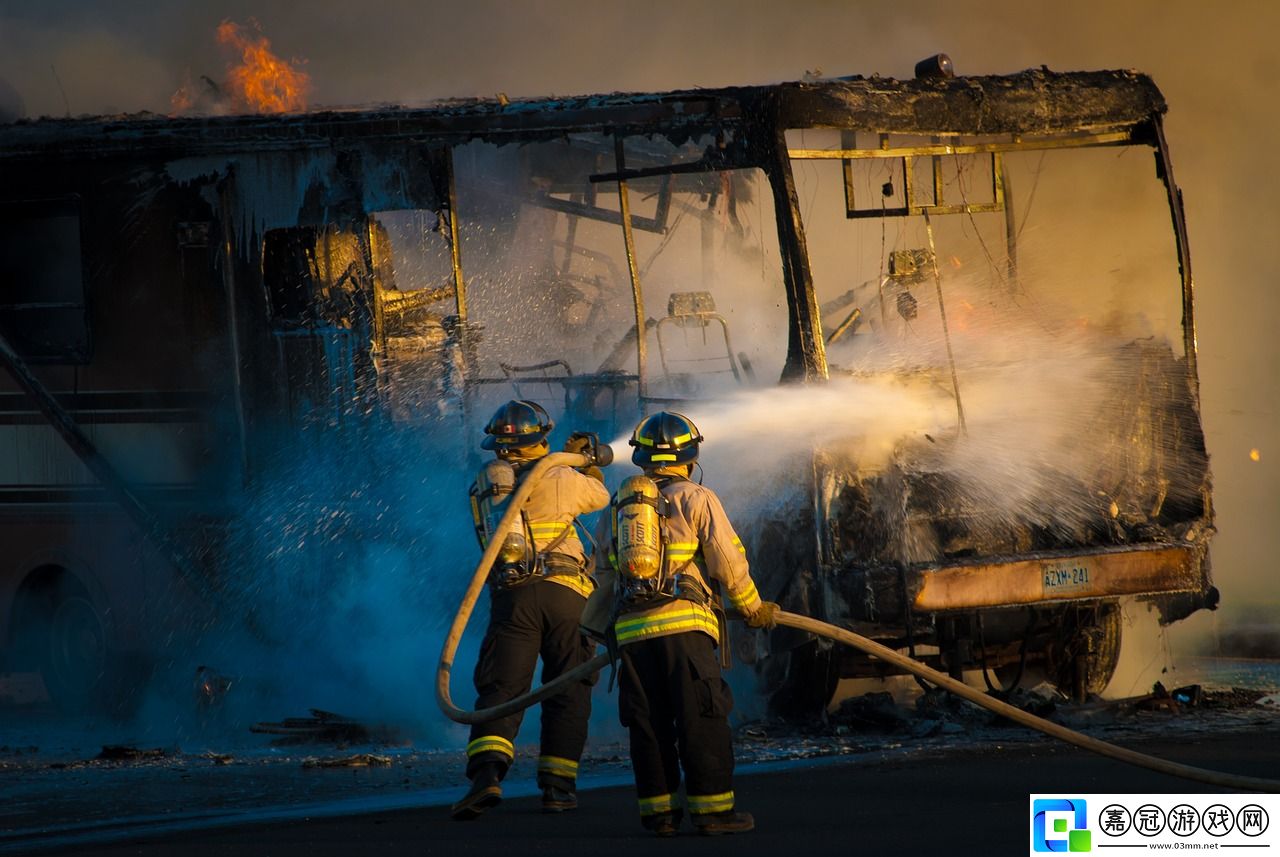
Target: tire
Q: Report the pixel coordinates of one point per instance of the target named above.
(1088, 638)
(75, 658)
(62, 634)
(809, 684)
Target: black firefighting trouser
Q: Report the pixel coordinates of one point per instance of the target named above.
(536, 618)
(676, 705)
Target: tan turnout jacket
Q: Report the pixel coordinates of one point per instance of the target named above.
(697, 529)
(561, 494)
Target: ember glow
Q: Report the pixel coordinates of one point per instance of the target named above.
(262, 82)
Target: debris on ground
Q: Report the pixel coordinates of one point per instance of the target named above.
(218, 758)
(871, 712)
(325, 727)
(129, 753)
(359, 760)
(1041, 700)
(860, 723)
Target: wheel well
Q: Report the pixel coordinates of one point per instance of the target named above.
(33, 606)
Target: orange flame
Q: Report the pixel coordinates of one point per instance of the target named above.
(262, 82)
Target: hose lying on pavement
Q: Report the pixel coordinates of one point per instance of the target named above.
(801, 623)
(1017, 715)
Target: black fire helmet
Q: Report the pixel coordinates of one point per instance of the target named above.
(517, 424)
(665, 438)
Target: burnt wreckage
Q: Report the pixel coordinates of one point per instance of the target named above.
(194, 305)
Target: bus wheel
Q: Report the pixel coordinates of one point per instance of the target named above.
(808, 685)
(1083, 656)
(75, 662)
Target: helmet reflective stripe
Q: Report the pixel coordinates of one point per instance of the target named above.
(662, 457)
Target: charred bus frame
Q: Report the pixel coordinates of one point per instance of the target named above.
(72, 159)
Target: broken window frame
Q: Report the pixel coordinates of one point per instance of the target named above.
(77, 348)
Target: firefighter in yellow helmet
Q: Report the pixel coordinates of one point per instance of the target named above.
(657, 602)
(538, 587)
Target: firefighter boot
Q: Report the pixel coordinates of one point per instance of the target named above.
(558, 799)
(720, 823)
(485, 792)
(664, 823)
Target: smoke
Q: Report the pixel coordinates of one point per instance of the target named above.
(339, 562)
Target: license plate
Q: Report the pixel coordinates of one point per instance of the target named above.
(1065, 578)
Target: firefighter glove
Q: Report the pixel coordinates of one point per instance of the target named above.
(764, 616)
(579, 443)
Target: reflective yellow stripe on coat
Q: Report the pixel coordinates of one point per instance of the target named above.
(579, 583)
(546, 532)
(679, 553)
(675, 617)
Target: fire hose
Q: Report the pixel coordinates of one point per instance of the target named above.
(801, 623)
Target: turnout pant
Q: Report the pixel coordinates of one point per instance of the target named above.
(539, 618)
(676, 704)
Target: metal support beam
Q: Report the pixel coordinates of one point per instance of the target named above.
(629, 238)
(455, 251)
(1164, 166)
(1018, 144)
(806, 351)
(227, 264)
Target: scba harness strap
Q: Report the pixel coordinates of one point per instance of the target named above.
(536, 564)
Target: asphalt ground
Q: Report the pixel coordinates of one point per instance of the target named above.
(963, 802)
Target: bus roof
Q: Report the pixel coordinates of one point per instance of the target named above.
(1036, 101)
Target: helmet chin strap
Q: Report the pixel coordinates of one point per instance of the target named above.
(524, 453)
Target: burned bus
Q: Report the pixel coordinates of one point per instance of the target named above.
(941, 330)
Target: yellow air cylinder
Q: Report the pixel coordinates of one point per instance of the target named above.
(639, 529)
(494, 485)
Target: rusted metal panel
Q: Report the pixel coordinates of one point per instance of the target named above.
(1036, 101)
(1139, 571)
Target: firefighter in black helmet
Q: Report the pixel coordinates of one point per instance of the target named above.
(657, 600)
(537, 591)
